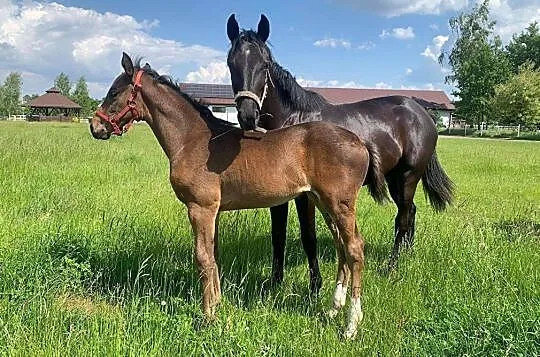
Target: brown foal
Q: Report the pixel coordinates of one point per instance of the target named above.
(215, 167)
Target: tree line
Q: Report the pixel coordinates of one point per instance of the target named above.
(10, 94)
(494, 83)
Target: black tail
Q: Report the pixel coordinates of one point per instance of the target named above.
(375, 177)
(438, 187)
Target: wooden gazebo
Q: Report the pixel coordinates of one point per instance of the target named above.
(53, 106)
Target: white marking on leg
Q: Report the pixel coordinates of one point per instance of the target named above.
(340, 298)
(355, 316)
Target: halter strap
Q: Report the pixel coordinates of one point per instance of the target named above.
(130, 107)
(249, 94)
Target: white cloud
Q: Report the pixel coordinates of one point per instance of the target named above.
(332, 42)
(383, 85)
(42, 39)
(391, 8)
(513, 16)
(433, 51)
(215, 72)
(331, 83)
(434, 27)
(408, 71)
(399, 32)
(367, 45)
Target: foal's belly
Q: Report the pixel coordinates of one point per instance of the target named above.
(261, 195)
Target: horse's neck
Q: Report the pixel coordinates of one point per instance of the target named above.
(276, 112)
(173, 120)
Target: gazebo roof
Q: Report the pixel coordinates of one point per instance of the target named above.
(53, 99)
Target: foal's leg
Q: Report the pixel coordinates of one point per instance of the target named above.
(203, 222)
(216, 281)
(342, 278)
(355, 258)
(402, 187)
(279, 233)
(306, 215)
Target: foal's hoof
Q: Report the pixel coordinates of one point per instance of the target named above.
(332, 313)
(350, 334)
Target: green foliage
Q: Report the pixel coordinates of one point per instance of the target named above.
(525, 47)
(478, 62)
(63, 84)
(518, 100)
(10, 95)
(96, 260)
(81, 96)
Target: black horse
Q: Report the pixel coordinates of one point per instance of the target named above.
(269, 97)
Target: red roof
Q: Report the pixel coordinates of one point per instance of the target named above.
(435, 99)
(53, 99)
(221, 94)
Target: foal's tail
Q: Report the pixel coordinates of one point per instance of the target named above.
(438, 187)
(375, 177)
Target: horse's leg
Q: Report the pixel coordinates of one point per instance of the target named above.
(306, 215)
(342, 277)
(355, 258)
(203, 222)
(402, 187)
(352, 243)
(217, 283)
(279, 234)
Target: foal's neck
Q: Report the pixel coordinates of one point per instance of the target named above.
(175, 121)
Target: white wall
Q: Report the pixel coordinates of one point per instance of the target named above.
(227, 113)
(445, 116)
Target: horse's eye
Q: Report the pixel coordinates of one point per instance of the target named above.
(113, 92)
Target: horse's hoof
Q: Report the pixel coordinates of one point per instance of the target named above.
(332, 313)
(350, 335)
(315, 285)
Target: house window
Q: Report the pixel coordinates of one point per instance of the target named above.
(219, 109)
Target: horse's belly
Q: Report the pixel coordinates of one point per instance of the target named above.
(258, 197)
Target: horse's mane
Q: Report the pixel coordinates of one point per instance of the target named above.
(168, 81)
(289, 91)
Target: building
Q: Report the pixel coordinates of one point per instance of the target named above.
(220, 98)
(52, 106)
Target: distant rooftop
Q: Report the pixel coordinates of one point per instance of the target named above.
(53, 99)
(222, 94)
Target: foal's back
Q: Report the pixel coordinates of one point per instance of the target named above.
(266, 170)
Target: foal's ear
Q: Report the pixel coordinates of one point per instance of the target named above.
(263, 29)
(127, 64)
(232, 28)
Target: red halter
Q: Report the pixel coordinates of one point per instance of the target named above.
(131, 107)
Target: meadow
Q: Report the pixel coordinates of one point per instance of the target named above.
(96, 259)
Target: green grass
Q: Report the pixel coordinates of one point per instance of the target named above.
(96, 259)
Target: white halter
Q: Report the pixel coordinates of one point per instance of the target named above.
(255, 97)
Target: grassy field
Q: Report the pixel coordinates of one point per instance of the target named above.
(96, 259)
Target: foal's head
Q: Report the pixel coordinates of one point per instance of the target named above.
(121, 106)
(249, 62)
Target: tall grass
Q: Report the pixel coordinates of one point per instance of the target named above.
(96, 259)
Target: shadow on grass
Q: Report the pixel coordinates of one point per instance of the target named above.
(518, 228)
(120, 267)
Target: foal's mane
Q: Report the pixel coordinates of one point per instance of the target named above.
(289, 91)
(205, 113)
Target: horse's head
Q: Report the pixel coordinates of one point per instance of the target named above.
(249, 62)
(122, 105)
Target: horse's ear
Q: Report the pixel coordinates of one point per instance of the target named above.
(232, 28)
(263, 29)
(146, 67)
(127, 64)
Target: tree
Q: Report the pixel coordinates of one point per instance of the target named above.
(82, 97)
(27, 98)
(10, 94)
(518, 100)
(525, 47)
(63, 84)
(478, 63)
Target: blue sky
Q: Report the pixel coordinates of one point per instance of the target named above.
(389, 43)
